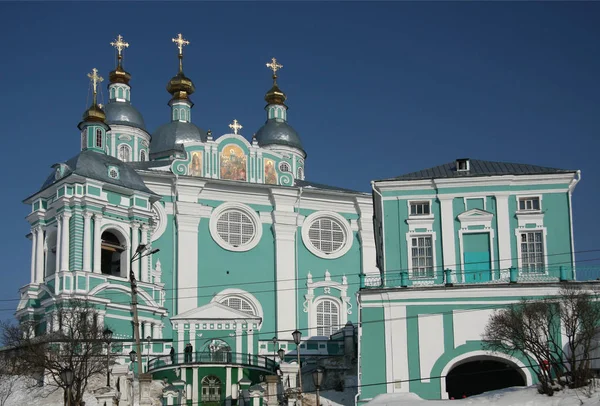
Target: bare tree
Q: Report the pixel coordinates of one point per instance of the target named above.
(556, 335)
(74, 340)
(8, 378)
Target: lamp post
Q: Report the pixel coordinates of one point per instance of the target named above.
(297, 335)
(107, 333)
(318, 380)
(148, 363)
(66, 375)
(274, 348)
(281, 353)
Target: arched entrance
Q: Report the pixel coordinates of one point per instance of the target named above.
(113, 253)
(479, 374)
(211, 391)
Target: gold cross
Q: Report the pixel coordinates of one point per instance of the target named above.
(235, 126)
(180, 43)
(119, 44)
(274, 66)
(94, 78)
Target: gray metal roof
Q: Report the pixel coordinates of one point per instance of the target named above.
(123, 113)
(94, 165)
(479, 168)
(278, 132)
(170, 137)
(306, 184)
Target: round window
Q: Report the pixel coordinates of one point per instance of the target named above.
(235, 228)
(327, 234)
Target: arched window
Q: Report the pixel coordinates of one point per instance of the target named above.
(142, 155)
(113, 252)
(284, 167)
(98, 138)
(300, 173)
(328, 317)
(112, 92)
(278, 113)
(183, 115)
(127, 94)
(124, 153)
(175, 114)
(211, 389)
(239, 303)
(120, 93)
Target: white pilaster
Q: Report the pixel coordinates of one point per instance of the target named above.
(39, 261)
(180, 344)
(64, 255)
(87, 241)
(33, 254)
(238, 338)
(187, 255)
(195, 386)
(250, 341)
(503, 217)
(134, 244)
(97, 243)
(448, 243)
(367, 237)
(156, 330)
(228, 383)
(147, 329)
(144, 261)
(135, 156)
(284, 227)
(57, 254)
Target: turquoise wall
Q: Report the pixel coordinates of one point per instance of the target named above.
(373, 356)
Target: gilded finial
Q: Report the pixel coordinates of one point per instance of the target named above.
(120, 45)
(235, 126)
(181, 42)
(95, 79)
(274, 66)
(119, 75)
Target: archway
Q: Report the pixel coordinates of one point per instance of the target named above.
(476, 375)
(113, 253)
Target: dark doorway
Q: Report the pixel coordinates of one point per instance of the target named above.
(111, 247)
(475, 377)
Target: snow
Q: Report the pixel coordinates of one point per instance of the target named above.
(517, 396)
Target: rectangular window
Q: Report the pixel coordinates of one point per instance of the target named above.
(419, 208)
(422, 257)
(529, 203)
(532, 251)
(99, 138)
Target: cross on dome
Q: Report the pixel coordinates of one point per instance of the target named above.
(119, 44)
(274, 66)
(95, 79)
(235, 126)
(181, 42)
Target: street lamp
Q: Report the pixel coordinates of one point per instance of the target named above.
(66, 375)
(318, 380)
(148, 363)
(107, 333)
(132, 355)
(297, 335)
(274, 347)
(281, 353)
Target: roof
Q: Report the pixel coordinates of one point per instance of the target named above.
(278, 132)
(123, 113)
(215, 311)
(480, 168)
(94, 165)
(313, 185)
(170, 137)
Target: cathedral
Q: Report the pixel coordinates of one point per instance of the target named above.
(231, 248)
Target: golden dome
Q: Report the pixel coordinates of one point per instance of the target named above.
(119, 76)
(275, 95)
(180, 86)
(94, 114)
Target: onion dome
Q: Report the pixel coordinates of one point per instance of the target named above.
(94, 113)
(180, 86)
(169, 138)
(119, 75)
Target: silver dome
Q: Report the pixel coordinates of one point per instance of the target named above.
(170, 137)
(123, 113)
(278, 132)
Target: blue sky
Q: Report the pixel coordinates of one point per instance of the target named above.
(375, 89)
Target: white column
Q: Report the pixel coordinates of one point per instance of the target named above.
(147, 330)
(39, 261)
(187, 255)
(87, 241)
(97, 243)
(238, 337)
(228, 384)
(195, 386)
(33, 254)
(250, 341)
(448, 242)
(156, 330)
(504, 237)
(135, 241)
(367, 236)
(180, 344)
(135, 156)
(64, 260)
(144, 261)
(58, 249)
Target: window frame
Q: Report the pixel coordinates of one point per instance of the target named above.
(529, 198)
(333, 329)
(417, 203)
(129, 153)
(216, 215)
(285, 167)
(409, 237)
(543, 232)
(346, 229)
(98, 138)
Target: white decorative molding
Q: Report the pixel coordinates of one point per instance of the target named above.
(433, 236)
(475, 217)
(254, 217)
(342, 300)
(224, 294)
(544, 231)
(159, 221)
(524, 218)
(418, 222)
(344, 223)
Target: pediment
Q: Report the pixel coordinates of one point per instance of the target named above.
(475, 214)
(214, 311)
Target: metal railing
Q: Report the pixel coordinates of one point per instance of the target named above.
(441, 277)
(221, 357)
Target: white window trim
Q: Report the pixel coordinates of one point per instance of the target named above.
(127, 147)
(121, 232)
(420, 216)
(246, 210)
(466, 201)
(224, 294)
(409, 236)
(527, 196)
(283, 163)
(475, 217)
(345, 224)
(544, 231)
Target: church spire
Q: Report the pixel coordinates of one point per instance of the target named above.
(275, 98)
(180, 87)
(119, 75)
(93, 127)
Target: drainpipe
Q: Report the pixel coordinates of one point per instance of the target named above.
(358, 355)
(572, 185)
(297, 210)
(383, 268)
